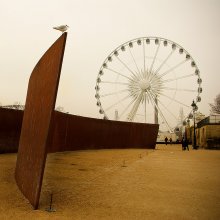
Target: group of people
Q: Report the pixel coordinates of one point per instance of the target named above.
(166, 140)
(185, 143)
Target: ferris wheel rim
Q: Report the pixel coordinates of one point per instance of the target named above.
(153, 38)
(143, 40)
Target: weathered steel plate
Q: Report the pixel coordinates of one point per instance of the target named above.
(71, 132)
(39, 108)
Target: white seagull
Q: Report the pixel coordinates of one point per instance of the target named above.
(61, 28)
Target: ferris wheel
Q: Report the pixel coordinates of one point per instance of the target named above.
(148, 80)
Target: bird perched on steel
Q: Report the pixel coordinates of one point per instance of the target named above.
(61, 28)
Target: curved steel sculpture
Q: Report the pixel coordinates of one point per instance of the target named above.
(39, 108)
(44, 130)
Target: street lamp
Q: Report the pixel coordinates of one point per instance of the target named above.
(194, 108)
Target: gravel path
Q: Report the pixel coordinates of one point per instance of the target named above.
(166, 183)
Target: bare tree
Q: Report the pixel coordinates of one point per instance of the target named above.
(215, 107)
(16, 105)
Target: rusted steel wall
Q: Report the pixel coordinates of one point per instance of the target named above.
(70, 132)
(39, 108)
(10, 128)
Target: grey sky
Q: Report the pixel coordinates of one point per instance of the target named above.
(96, 28)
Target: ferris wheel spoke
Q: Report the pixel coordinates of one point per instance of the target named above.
(144, 56)
(134, 92)
(155, 55)
(119, 83)
(181, 90)
(134, 61)
(175, 100)
(181, 77)
(114, 93)
(126, 66)
(120, 74)
(133, 111)
(126, 108)
(145, 107)
(173, 68)
(160, 112)
(162, 64)
(155, 110)
(135, 96)
(171, 113)
(121, 100)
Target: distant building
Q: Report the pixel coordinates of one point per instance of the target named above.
(208, 132)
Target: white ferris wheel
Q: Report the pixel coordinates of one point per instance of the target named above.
(148, 80)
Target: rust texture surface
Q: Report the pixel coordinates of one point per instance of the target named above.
(39, 108)
(70, 132)
(10, 128)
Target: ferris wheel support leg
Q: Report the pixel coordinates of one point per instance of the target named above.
(156, 112)
(135, 107)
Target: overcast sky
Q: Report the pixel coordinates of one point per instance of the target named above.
(96, 28)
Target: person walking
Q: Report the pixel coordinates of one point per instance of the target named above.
(166, 140)
(186, 144)
(183, 144)
(171, 141)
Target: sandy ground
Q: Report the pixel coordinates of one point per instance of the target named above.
(166, 183)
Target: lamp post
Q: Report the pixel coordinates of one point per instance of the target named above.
(184, 131)
(194, 108)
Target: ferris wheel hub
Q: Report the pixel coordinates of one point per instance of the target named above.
(144, 85)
